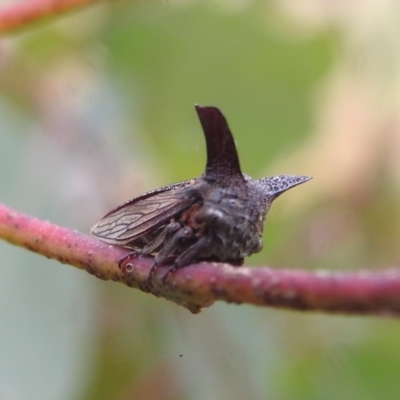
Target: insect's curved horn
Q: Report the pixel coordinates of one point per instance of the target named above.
(222, 156)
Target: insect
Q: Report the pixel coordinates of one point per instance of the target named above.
(218, 216)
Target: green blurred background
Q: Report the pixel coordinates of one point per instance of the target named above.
(96, 107)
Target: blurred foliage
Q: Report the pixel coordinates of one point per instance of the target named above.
(97, 107)
(194, 55)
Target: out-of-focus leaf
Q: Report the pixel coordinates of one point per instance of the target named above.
(171, 58)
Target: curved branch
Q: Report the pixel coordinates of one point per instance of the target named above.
(18, 15)
(199, 285)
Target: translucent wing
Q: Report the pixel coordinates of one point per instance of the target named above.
(143, 214)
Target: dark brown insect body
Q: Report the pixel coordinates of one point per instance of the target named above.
(217, 217)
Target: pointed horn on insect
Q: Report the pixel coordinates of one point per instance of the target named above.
(274, 186)
(222, 157)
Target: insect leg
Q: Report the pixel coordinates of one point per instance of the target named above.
(152, 246)
(191, 254)
(236, 262)
(133, 253)
(161, 238)
(168, 250)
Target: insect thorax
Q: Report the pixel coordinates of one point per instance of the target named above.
(231, 222)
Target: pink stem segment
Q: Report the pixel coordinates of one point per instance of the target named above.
(22, 13)
(199, 285)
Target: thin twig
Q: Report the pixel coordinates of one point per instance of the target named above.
(19, 15)
(199, 285)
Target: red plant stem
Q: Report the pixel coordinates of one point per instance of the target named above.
(20, 14)
(199, 285)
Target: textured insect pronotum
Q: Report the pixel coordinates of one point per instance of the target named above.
(218, 216)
